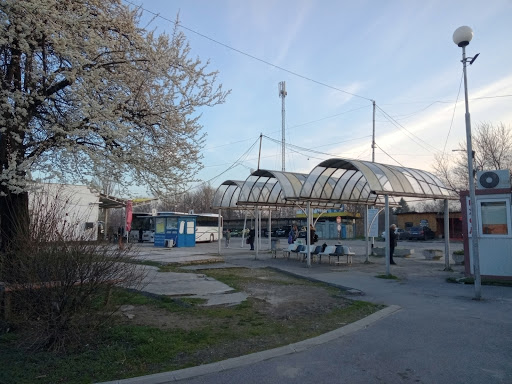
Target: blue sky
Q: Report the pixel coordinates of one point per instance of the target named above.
(335, 57)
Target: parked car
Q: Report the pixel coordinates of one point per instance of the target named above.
(283, 231)
(421, 233)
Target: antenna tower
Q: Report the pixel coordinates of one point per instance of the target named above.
(282, 94)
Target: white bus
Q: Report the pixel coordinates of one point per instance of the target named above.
(207, 226)
(146, 222)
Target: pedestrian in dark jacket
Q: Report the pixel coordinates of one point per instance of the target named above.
(393, 241)
(312, 234)
(252, 235)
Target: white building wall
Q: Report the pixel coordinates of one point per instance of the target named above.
(78, 206)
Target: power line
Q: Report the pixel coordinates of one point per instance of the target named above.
(391, 157)
(299, 148)
(328, 117)
(247, 54)
(453, 114)
(411, 135)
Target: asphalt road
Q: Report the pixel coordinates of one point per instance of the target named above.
(438, 335)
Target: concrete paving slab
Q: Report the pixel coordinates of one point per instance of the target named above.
(183, 284)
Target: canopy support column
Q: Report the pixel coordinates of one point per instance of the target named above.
(219, 231)
(256, 232)
(308, 233)
(366, 238)
(446, 236)
(269, 226)
(386, 215)
(243, 232)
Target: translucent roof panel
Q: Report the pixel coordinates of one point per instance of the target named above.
(265, 189)
(274, 188)
(227, 195)
(365, 182)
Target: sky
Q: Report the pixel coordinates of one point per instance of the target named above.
(336, 57)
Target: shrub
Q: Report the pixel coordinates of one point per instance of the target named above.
(59, 283)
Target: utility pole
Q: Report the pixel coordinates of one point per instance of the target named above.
(373, 135)
(282, 94)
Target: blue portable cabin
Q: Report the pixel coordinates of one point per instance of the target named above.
(175, 229)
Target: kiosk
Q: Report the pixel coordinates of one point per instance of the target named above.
(175, 230)
(493, 227)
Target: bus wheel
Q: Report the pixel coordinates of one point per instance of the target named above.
(212, 238)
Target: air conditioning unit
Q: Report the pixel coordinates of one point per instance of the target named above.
(499, 179)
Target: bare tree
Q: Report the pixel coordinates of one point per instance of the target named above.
(492, 146)
(198, 200)
(203, 197)
(84, 88)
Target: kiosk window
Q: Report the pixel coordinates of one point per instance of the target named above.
(172, 223)
(190, 227)
(160, 225)
(494, 218)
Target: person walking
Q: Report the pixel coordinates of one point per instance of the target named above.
(228, 237)
(393, 240)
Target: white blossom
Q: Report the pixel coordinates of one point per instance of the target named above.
(84, 88)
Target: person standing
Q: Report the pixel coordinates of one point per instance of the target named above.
(292, 236)
(312, 232)
(228, 237)
(252, 235)
(393, 240)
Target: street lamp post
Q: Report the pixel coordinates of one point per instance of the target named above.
(462, 36)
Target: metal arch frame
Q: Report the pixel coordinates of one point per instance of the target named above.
(379, 175)
(385, 180)
(380, 180)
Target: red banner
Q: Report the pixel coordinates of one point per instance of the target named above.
(129, 207)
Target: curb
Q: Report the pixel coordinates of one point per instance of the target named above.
(236, 362)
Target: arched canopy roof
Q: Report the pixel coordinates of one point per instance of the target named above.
(276, 188)
(331, 183)
(348, 180)
(227, 195)
(264, 189)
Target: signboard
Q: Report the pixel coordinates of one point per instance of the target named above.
(373, 223)
(160, 225)
(468, 216)
(129, 211)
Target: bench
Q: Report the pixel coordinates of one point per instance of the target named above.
(299, 248)
(287, 251)
(314, 251)
(326, 252)
(345, 251)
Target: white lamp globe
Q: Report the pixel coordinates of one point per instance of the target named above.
(462, 36)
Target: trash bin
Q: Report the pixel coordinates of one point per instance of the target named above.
(169, 243)
(273, 245)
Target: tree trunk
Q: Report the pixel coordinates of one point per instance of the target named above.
(14, 217)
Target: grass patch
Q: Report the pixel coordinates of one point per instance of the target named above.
(194, 334)
(471, 280)
(389, 277)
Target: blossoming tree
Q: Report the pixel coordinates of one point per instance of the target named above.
(85, 88)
